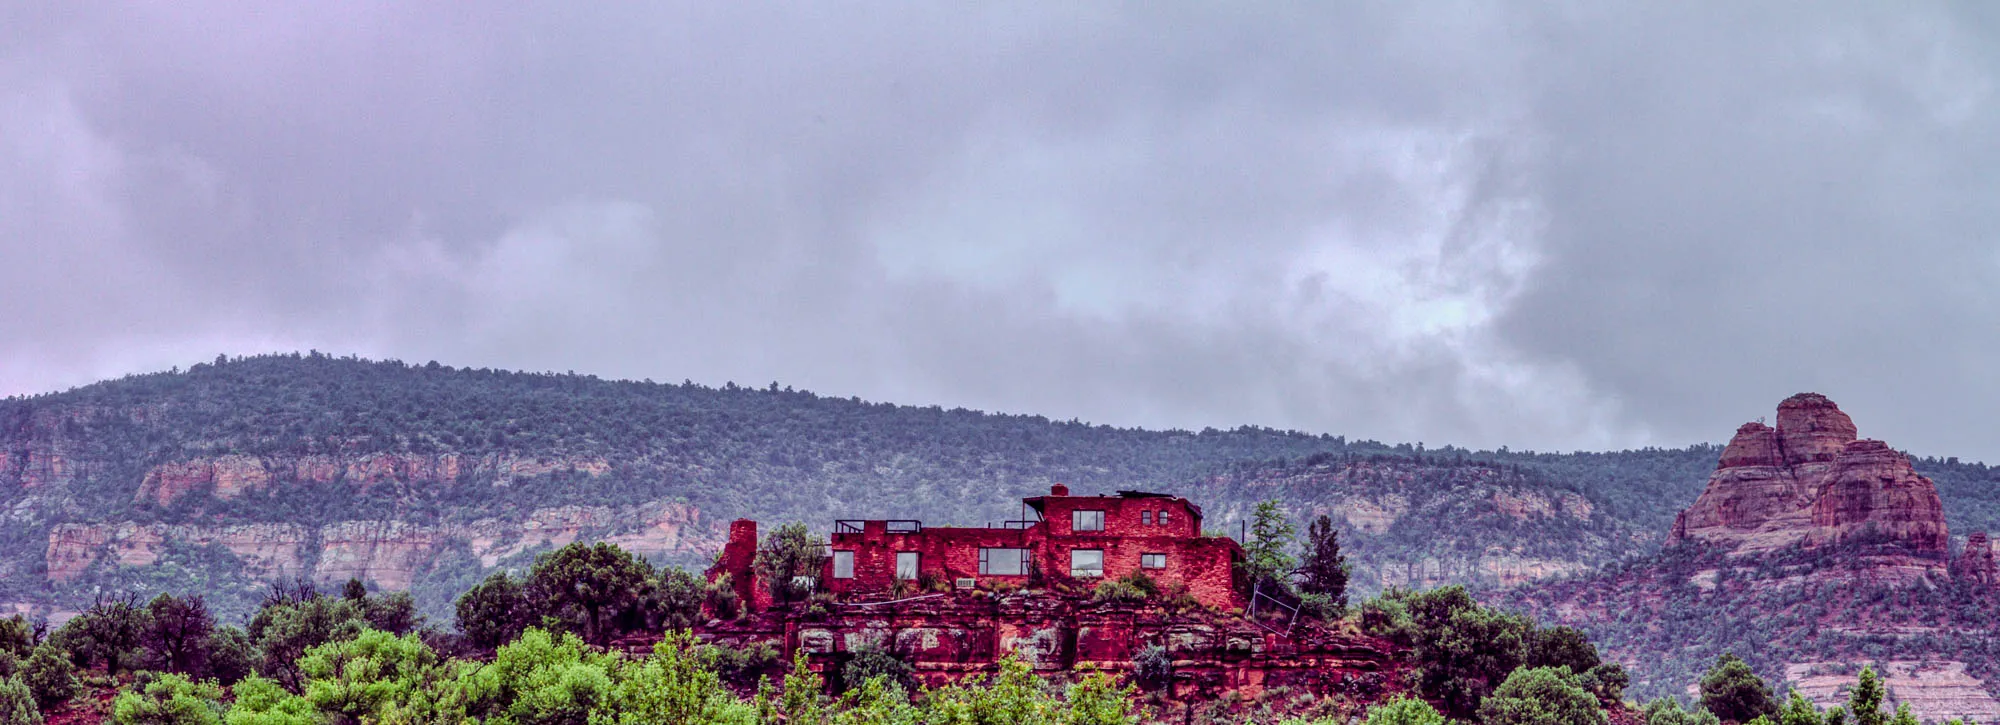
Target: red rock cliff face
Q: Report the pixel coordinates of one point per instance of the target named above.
(1810, 481)
(1976, 563)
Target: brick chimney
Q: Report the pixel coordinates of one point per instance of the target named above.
(1058, 490)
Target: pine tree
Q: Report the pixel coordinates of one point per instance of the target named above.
(1864, 703)
(1325, 569)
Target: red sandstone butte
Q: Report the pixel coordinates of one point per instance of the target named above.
(1811, 482)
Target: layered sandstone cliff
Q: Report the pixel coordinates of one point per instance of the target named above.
(1811, 482)
(390, 553)
(230, 476)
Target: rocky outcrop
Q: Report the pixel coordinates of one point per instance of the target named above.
(1873, 490)
(390, 553)
(230, 476)
(1975, 563)
(226, 477)
(38, 467)
(268, 551)
(1809, 481)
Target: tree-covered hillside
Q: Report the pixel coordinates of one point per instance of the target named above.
(328, 440)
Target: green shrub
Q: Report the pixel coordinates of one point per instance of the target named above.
(1153, 669)
(1541, 696)
(50, 676)
(17, 704)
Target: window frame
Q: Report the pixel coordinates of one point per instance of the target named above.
(987, 556)
(1146, 517)
(1076, 573)
(839, 554)
(1145, 561)
(1162, 517)
(1076, 519)
(916, 565)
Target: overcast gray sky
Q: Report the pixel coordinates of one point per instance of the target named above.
(1585, 225)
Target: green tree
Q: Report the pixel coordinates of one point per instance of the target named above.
(1904, 716)
(1607, 681)
(169, 699)
(672, 599)
(785, 558)
(804, 699)
(1011, 696)
(677, 683)
(540, 679)
(231, 655)
(1097, 699)
(1797, 710)
(283, 630)
(494, 612)
(1561, 647)
(177, 632)
(1404, 711)
(50, 676)
(265, 702)
(1668, 711)
(108, 633)
(1462, 650)
(1864, 702)
(17, 636)
(369, 678)
(1541, 696)
(1266, 556)
(877, 701)
(871, 660)
(17, 704)
(1733, 691)
(395, 613)
(586, 586)
(1323, 569)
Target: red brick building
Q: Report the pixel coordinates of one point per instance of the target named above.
(1076, 540)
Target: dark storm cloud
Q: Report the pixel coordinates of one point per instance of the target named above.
(1540, 228)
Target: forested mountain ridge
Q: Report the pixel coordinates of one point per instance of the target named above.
(235, 472)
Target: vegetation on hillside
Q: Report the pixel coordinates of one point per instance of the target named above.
(357, 657)
(1674, 613)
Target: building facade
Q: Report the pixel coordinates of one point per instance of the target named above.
(1066, 540)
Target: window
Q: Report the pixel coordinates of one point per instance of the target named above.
(906, 565)
(1152, 561)
(1086, 521)
(843, 565)
(1086, 563)
(1163, 518)
(1146, 518)
(1003, 562)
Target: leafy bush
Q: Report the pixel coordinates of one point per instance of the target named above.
(49, 675)
(1404, 711)
(1153, 668)
(872, 660)
(17, 704)
(1133, 587)
(169, 699)
(1733, 692)
(1541, 696)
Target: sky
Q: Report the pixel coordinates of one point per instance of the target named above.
(1552, 227)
